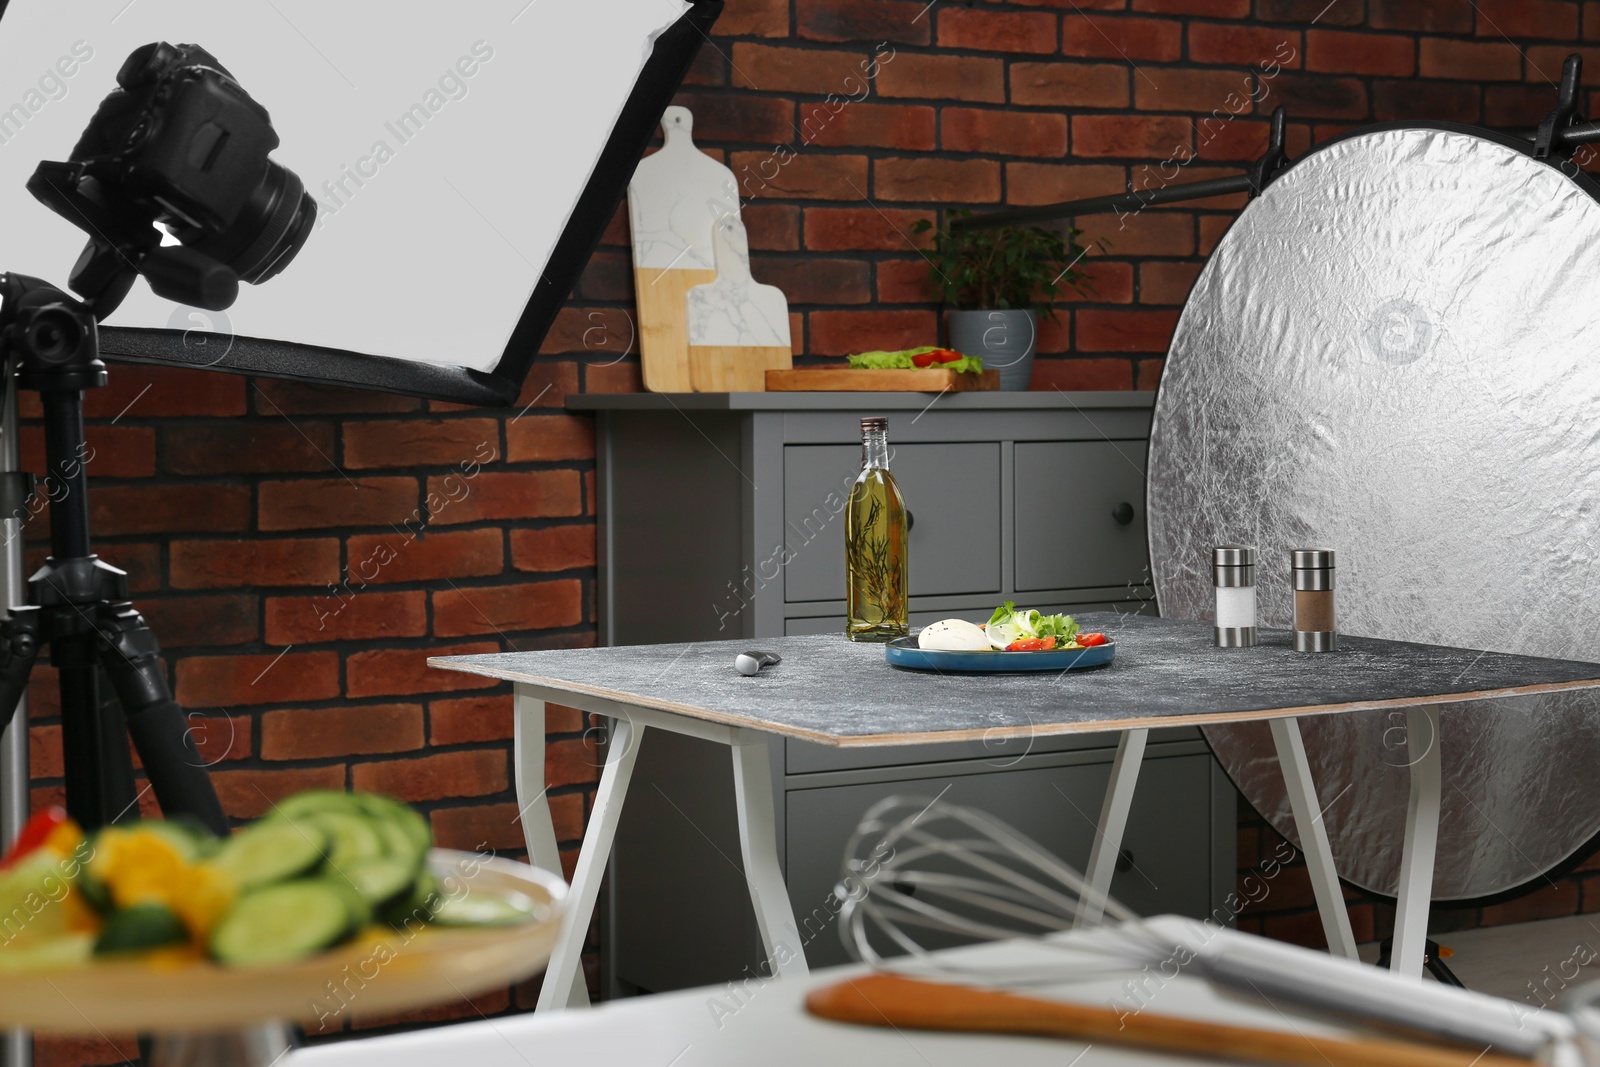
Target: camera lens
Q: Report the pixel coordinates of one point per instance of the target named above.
(269, 230)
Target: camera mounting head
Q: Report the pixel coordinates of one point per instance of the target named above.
(52, 337)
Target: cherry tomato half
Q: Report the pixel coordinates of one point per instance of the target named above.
(1026, 644)
(1090, 640)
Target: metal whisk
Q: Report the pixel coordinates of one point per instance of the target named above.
(917, 865)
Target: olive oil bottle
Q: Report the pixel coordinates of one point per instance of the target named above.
(875, 555)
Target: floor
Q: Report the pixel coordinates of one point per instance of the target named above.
(1532, 962)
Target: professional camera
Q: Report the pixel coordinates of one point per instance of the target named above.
(180, 144)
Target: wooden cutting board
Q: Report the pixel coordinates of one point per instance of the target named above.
(738, 328)
(850, 379)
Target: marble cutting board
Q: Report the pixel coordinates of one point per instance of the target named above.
(738, 328)
(675, 198)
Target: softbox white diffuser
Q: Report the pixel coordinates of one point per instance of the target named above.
(465, 158)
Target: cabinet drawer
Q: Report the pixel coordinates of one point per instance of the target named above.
(1168, 835)
(1071, 498)
(952, 492)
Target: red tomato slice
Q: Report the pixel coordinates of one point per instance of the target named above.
(34, 833)
(1026, 644)
(1090, 640)
(924, 360)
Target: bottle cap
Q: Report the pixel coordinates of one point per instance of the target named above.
(1312, 559)
(874, 424)
(1233, 556)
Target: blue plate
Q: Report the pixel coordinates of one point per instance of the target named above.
(903, 652)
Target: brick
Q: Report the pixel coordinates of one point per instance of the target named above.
(274, 562)
(1049, 183)
(420, 442)
(489, 826)
(221, 738)
(900, 21)
(1340, 52)
(613, 378)
(549, 381)
(454, 499)
(1591, 20)
(772, 228)
(1429, 16)
(1548, 19)
(806, 175)
(1418, 99)
(852, 124)
(1230, 138)
(1515, 106)
(1212, 227)
(507, 608)
(555, 548)
(1138, 136)
(345, 615)
(319, 733)
(310, 503)
(115, 510)
(545, 438)
(185, 621)
(905, 281)
(1130, 39)
(863, 229)
(1076, 85)
(225, 681)
(405, 671)
(1166, 283)
(1222, 9)
(1109, 282)
(1244, 46)
(247, 792)
(113, 452)
(723, 118)
(959, 181)
(607, 276)
(995, 31)
(142, 562)
(1124, 331)
(595, 332)
(774, 68)
(249, 447)
(45, 757)
(1204, 91)
(754, 18)
(135, 392)
(61, 1050)
(273, 396)
(1469, 60)
(574, 762)
(838, 333)
(378, 558)
(1545, 61)
(1159, 176)
(710, 67)
(473, 773)
(1070, 375)
(468, 719)
(1326, 13)
(944, 77)
(1147, 373)
(1312, 96)
(1005, 133)
(817, 281)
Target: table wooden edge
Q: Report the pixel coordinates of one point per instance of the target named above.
(559, 689)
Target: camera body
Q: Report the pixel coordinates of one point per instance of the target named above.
(181, 145)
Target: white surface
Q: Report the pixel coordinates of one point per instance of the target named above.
(533, 803)
(1313, 833)
(675, 198)
(735, 309)
(763, 1023)
(460, 214)
(1421, 842)
(1236, 605)
(1107, 847)
(758, 847)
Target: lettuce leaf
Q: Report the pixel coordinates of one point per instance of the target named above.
(880, 360)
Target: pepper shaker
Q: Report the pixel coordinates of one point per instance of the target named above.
(1314, 629)
(1233, 568)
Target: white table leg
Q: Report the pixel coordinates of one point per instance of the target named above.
(533, 803)
(1313, 837)
(1415, 892)
(563, 978)
(1113, 823)
(758, 843)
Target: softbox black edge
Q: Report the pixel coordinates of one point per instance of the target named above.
(675, 50)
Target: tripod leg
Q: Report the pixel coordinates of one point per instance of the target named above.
(132, 657)
(97, 765)
(19, 647)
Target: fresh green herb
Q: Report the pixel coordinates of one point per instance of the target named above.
(1029, 622)
(1006, 266)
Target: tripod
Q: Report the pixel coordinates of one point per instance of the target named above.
(78, 604)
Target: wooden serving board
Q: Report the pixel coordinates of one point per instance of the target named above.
(664, 326)
(850, 379)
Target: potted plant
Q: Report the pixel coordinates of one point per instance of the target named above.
(998, 281)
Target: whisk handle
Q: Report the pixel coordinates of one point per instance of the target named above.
(908, 1003)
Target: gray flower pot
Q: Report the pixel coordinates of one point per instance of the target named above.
(1005, 339)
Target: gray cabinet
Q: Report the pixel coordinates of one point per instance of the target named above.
(721, 516)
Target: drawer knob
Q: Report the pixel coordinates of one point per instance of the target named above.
(1123, 513)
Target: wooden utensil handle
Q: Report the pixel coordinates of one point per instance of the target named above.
(891, 1000)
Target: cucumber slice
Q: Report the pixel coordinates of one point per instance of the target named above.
(351, 837)
(271, 850)
(480, 909)
(399, 845)
(315, 802)
(283, 923)
(379, 881)
(416, 906)
(139, 929)
(398, 814)
(192, 840)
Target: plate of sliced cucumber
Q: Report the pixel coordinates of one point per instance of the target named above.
(331, 905)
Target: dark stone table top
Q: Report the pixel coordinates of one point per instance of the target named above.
(1166, 673)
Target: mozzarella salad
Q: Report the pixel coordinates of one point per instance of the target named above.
(1008, 630)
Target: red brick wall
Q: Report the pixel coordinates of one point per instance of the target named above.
(245, 510)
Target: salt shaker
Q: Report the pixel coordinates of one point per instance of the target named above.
(1314, 629)
(1233, 567)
